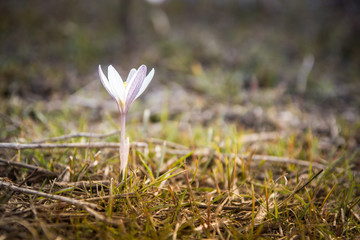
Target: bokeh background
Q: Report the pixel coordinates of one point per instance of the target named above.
(53, 46)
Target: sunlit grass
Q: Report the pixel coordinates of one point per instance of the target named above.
(175, 190)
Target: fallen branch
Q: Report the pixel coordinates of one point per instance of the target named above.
(77, 135)
(152, 140)
(198, 152)
(31, 167)
(68, 145)
(246, 138)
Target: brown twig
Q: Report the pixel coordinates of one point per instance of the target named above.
(31, 167)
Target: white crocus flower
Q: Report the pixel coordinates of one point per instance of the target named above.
(125, 93)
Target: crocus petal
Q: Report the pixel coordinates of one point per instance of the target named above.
(131, 81)
(116, 83)
(135, 85)
(105, 82)
(130, 76)
(146, 82)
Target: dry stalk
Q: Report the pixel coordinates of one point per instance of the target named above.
(77, 135)
(68, 145)
(28, 166)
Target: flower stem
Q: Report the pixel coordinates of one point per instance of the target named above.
(124, 146)
(122, 126)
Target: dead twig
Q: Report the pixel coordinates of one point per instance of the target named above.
(68, 145)
(246, 138)
(31, 167)
(152, 140)
(77, 135)
(198, 152)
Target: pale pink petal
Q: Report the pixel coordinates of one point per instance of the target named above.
(135, 85)
(130, 76)
(130, 81)
(146, 82)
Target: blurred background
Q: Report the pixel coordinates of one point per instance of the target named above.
(226, 50)
(54, 46)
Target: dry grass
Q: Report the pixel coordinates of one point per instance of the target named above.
(215, 182)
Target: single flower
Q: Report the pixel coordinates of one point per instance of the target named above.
(126, 92)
